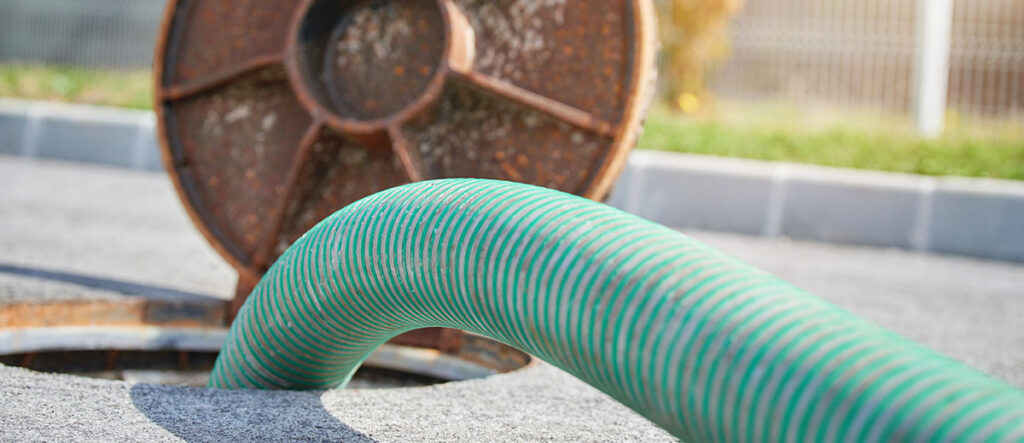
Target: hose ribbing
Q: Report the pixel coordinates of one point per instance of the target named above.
(701, 344)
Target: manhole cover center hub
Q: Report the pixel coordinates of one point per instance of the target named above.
(382, 55)
(369, 63)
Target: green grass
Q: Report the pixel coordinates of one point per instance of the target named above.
(129, 89)
(741, 130)
(995, 154)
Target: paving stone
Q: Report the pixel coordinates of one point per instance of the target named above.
(68, 137)
(12, 131)
(685, 191)
(983, 219)
(861, 208)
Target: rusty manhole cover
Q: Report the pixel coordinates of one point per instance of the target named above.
(273, 114)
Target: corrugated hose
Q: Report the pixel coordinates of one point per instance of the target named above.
(701, 344)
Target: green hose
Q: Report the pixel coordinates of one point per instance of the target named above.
(701, 344)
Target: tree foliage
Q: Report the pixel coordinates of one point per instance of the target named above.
(694, 39)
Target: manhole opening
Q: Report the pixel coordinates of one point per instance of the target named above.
(178, 368)
(389, 367)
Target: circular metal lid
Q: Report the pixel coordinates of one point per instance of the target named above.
(273, 114)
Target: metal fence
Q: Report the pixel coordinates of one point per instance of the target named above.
(840, 53)
(863, 53)
(105, 33)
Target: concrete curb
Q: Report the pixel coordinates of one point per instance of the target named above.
(976, 217)
(93, 134)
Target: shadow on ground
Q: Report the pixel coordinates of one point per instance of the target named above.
(106, 284)
(210, 415)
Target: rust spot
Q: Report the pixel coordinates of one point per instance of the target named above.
(128, 312)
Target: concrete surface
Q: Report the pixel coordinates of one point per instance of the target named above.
(974, 217)
(84, 133)
(104, 222)
(967, 219)
(881, 212)
(542, 404)
(12, 127)
(129, 226)
(733, 197)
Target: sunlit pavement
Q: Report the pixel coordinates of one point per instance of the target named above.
(129, 226)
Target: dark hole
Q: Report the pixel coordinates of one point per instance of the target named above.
(177, 368)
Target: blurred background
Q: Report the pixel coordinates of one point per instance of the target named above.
(931, 87)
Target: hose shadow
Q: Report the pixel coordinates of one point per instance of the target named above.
(202, 415)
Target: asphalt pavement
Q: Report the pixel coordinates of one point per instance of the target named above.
(129, 226)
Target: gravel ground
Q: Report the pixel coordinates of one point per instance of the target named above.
(128, 226)
(538, 404)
